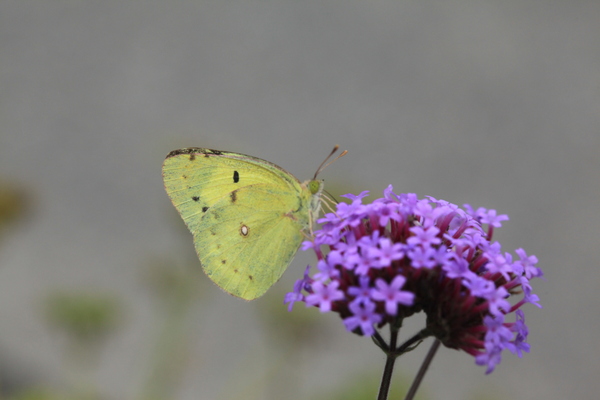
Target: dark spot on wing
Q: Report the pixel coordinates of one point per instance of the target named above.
(195, 198)
(193, 151)
(250, 277)
(233, 196)
(204, 209)
(184, 176)
(236, 271)
(236, 177)
(223, 261)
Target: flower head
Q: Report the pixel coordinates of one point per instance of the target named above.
(381, 262)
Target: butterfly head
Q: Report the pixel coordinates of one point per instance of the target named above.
(315, 187)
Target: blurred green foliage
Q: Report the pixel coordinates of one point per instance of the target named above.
(48, 394)
(177, 288)
(85, 317)
(36, 394)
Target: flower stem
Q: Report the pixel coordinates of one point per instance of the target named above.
(419, 378)
(391, 355)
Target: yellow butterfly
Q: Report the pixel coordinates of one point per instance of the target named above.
(247, 215)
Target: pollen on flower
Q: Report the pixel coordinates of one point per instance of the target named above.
(381, 262)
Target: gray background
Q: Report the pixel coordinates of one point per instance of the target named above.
(492, 103)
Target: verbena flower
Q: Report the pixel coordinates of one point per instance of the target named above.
(379, 263)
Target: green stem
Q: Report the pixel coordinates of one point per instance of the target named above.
(392, 352)
(391, 355)
(419, 378)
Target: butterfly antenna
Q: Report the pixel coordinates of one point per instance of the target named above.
(323, 165)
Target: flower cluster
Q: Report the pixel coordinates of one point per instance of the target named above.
(379, 263)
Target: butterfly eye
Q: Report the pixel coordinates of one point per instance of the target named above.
(315, 186)
(244, 230)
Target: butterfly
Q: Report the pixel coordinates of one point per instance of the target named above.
(248, 216)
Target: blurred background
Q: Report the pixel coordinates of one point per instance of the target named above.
(491, 103)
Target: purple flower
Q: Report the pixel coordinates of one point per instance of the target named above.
(528, 264)
(424, 237)
(381, 262)
(491, 357)
(422, 257)
(391, 294)
(362, 264)
(299, 286)
(498, 304)
(294, 296)
(323, 295)
(492, 219)
(363, 317)
(498, 263)
(458, 268)
(497, 332)
(356, 198)
(385, 253)
(386, 212)
(520, 344)
(361, 293)
(388, 194)
(480, 287)
(327, 268)
(531, 297)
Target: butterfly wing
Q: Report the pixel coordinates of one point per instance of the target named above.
(246, 245)
(246, 215)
